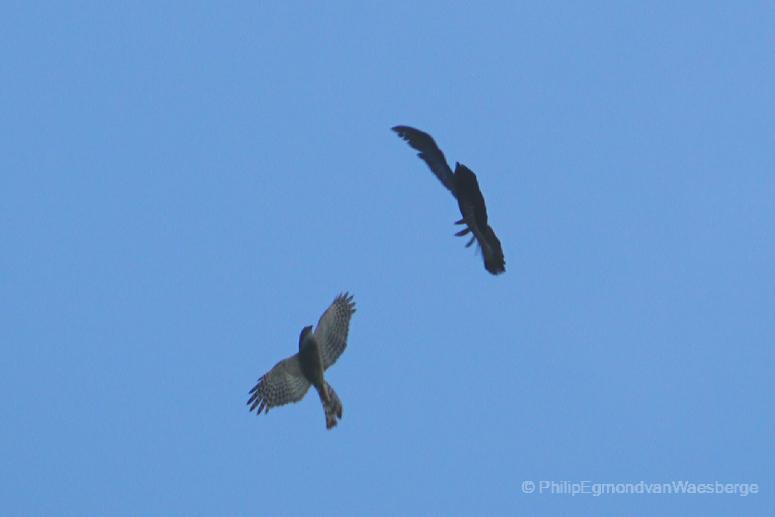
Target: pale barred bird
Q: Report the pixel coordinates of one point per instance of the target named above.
(463, 185)
(290, 379)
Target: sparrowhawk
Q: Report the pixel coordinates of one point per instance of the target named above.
(290, 379)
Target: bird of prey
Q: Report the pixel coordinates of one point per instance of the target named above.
(289, 380)
(463, 185)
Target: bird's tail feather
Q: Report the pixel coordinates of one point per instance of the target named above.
(331, 405)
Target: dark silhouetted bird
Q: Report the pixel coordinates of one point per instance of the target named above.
(463, 185)
(289, 380)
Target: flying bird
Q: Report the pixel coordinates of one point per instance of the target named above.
(289, 380)
(463, 185)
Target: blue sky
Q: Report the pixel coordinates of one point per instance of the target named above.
(185, 185)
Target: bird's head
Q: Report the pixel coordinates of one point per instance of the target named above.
(304, 333)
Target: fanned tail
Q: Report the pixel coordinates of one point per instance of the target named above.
(331, 405)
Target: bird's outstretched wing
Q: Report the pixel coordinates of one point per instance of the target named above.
(474, 212)
(283, 384)
(429, 152)
(331, 331)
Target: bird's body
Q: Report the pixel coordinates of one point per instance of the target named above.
(464, 187)
(289, 380)
(312, 368)
(309, 357)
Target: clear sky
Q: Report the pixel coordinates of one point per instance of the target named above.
(185, 185)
